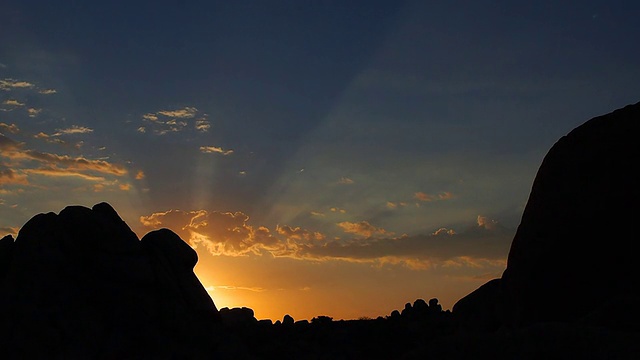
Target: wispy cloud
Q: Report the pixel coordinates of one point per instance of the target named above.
(202, 124)
(74, 129)
(47, 91)
(170, 121)
(215, 149)
(185, 113)
(12, 102)
(33, 112)
(362, 228)
(6, 128)
(233, 288)
(8, 84)
(26, 163)
(429, 197)
(9, 176)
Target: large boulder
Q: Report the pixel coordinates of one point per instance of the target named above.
(572, 258)
(575, 247)
(79, 284)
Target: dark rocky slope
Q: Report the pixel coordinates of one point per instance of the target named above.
(80, 285)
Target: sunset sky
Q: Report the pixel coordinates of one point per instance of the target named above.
(336, 158)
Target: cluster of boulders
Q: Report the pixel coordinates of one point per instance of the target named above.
(80, 284)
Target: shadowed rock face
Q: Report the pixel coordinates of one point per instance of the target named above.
(573, 253)
(80, 284)
(574, 248)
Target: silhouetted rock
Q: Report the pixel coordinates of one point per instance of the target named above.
(6, 249)
(573, 254)
(434, 306)
(79, 284)
(238, 316)
(574, 249)
(481, 310)
(287, 320)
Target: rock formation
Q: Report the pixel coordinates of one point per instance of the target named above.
(79, 284)
(573, 256)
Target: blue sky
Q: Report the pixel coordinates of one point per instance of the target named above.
(361, 141)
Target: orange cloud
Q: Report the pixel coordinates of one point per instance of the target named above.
(427, 197)
(140, 175)
(9, 176)
(362, 228)
(228, 233)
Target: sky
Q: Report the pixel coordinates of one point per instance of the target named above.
(337, 158)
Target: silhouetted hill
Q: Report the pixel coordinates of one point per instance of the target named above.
(80, 285)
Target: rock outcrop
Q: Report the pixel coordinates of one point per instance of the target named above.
(573, 257)
(80, 285)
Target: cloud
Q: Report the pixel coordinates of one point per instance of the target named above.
(427, 197)
(8, 84)
(12, 102)
(8, 145)
(297, 233)
(395, 205)
(215, 149)
(345, 181)
(55, 172)
(230, 234)
(9, 230)
(140, 175)
(48, 91)
(362, 228)
(222, 233)
(33, 112)
(168, 121)
(6, 128)
(27, 162)
(74, 163)
(9, 176)
(474, 247)
(202, 125)
(230, 287)
(150, 117)
(185, 113)
(74, 129)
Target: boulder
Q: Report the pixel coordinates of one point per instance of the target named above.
(574, 248)
(573, 253)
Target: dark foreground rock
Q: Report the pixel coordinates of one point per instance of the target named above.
(571, 269)
(80, 285)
